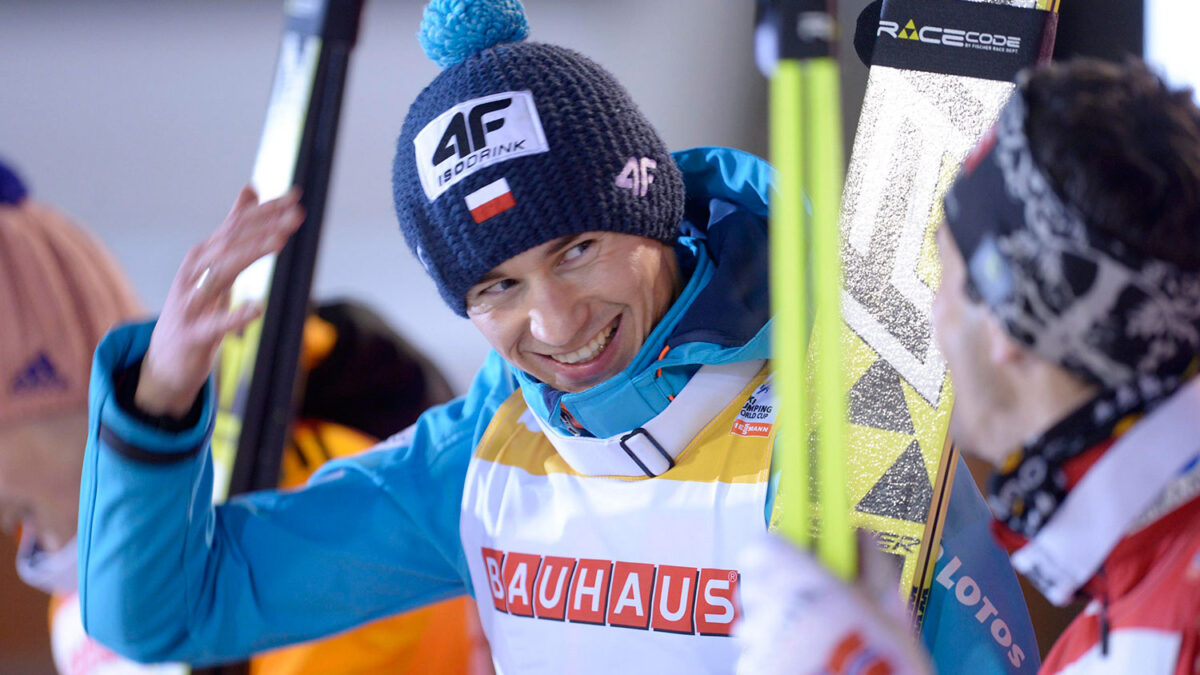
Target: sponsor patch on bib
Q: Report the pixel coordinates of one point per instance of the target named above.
(687, 600)
(758, 414)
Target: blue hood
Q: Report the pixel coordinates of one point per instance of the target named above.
(721, 316)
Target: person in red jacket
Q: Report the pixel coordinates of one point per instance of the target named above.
(1069, 315)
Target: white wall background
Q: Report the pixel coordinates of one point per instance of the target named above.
(142, 118)
(1171, 40)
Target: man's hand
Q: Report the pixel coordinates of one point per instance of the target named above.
(800, 619)
(196, 315)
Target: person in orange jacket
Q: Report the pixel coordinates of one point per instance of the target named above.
(363, 382)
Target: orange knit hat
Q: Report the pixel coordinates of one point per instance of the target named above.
(60, 291)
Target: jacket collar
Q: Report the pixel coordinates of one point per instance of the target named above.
(1149, 471)
(652, 449)
(1133, 558)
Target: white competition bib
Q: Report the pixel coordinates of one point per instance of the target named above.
(577, 573)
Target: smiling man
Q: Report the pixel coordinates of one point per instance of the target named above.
(606, 467)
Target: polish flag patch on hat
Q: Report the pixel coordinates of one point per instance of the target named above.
(490, 200)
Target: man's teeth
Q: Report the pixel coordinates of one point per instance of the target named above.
(589, 351)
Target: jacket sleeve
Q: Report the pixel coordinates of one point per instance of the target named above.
(163, 575)
(976, 620)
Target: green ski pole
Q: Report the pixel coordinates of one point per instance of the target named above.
(795, 42)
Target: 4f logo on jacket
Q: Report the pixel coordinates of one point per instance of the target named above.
(475, 134)
(670, 598)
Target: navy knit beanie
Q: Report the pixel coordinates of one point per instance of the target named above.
(517, 143)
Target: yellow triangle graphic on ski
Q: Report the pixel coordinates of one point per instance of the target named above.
(909, 32)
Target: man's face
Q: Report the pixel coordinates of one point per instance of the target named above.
(982, 422)
(574, 311)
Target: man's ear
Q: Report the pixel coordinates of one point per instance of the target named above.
(1002, 348)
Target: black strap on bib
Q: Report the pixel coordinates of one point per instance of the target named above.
(653, 442)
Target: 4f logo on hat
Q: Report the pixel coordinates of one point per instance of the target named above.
(637, 175)
(478, 133)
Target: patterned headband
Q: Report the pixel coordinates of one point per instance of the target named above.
(1070, 294)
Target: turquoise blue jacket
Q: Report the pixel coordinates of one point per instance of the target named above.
(164, 575)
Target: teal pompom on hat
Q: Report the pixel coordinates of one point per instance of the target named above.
(518, 143)
(452, 30)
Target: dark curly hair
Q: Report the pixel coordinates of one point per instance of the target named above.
(1123, 147)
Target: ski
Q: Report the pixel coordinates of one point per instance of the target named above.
(257, 369)
(939, 73)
